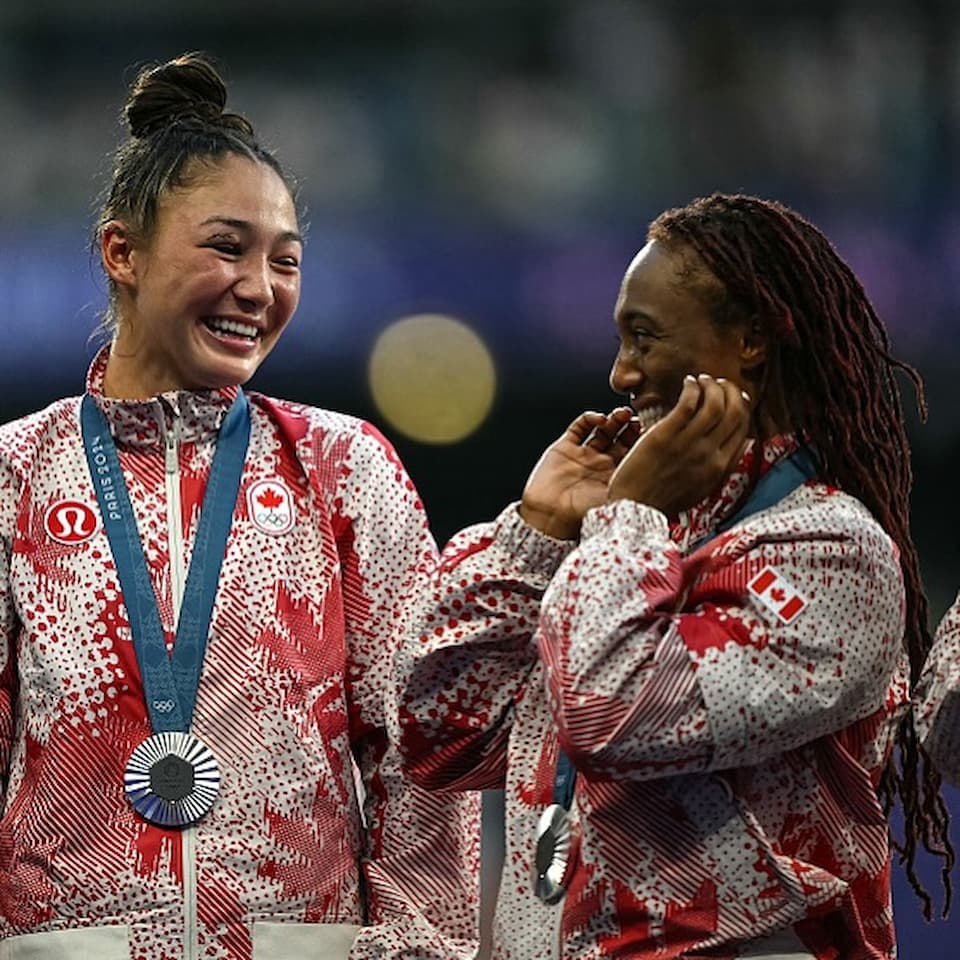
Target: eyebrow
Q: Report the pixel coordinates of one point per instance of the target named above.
(631, 315)
(287, 235)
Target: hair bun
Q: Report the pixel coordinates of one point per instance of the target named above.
(187, 87)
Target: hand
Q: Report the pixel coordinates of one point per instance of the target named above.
(574, 472)
(685, 456)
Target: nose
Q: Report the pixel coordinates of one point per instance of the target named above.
(625, 376)
(254, 285)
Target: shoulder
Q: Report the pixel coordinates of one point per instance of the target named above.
(818, 510)
(23, 438)
(304, 417)
(318, 432)
(819, 533)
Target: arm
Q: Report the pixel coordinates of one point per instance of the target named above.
(938, 698)
(470, 649)
(659, 664)
(469, 652)
(421, 857)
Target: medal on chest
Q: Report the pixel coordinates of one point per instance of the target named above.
(172, 778)
(557, 837)
(558, 846)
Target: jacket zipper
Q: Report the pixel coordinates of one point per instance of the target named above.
(171, 442)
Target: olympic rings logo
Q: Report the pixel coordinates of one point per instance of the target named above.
(270, 506)
(276, 520)
(163, 706)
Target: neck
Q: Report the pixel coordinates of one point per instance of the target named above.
(123, 380)
(766, 425)
(132, 375)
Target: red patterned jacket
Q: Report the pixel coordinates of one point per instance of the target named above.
(314, 832)
(938, 695)
(729, 709)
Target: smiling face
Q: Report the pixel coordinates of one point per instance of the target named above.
(204, 299)
(666, 331)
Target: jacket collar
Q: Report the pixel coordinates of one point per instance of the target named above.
(701, 520)
(189, 415)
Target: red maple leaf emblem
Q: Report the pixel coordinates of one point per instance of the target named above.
(778, 594)
(269, 499)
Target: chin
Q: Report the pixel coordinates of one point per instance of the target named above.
(221, 379)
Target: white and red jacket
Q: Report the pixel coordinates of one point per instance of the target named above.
(729, 709)
(314, 834)
(938, 698)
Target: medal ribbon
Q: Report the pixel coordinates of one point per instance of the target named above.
(170, 682)
(772, 487)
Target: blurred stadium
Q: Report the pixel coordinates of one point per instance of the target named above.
(497, 163)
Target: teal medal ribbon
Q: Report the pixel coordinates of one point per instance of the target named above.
(172, 778)
(557, 841)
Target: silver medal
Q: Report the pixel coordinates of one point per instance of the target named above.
(557, 845)
(172, 779)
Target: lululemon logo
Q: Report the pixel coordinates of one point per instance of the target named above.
(71, 521)
(270, 506)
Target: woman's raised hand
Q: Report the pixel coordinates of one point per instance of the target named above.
(574, 472)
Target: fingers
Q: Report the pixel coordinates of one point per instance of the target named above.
(723, 418)
(579, 431)
(686, 407)
(623, 442)
(606, 432)
(709, 404)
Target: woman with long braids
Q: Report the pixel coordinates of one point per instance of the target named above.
(200, 588)
(687, 652)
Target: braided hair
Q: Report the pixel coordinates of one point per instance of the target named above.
(177, 127)
(831, 363)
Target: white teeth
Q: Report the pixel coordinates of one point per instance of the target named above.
(648, 417)
(222, 325)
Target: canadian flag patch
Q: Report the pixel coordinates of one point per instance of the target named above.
(270, 505)
(777, 594)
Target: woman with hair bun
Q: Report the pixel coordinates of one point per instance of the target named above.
(200, 589)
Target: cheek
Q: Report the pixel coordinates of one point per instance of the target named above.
(670, 362)
(191, 282)
(289, 298)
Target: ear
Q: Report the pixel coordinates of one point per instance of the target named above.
(117, 254)
(754, 345)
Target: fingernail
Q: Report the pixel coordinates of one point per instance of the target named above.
(745, 395)
(704, 376)
(689, 378)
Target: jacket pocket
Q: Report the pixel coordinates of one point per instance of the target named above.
(319, 941)
(83, 943)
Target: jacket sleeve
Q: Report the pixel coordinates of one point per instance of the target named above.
(769, 637)
(937, 710)
(469, 651)
(9, 627)
(421, 861)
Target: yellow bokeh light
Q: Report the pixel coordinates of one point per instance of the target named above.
(432, 378)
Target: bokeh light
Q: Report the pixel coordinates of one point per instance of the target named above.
(432, 378)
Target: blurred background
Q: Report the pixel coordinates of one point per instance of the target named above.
(491, 167)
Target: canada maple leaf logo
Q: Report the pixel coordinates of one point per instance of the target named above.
(270, 506)
(269, 498)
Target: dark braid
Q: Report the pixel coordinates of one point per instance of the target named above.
(832, 364)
